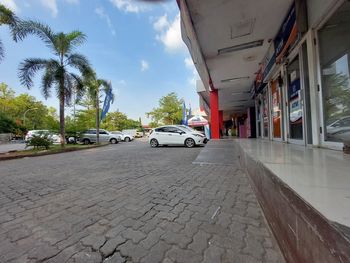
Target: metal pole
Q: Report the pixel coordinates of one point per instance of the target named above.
(24, 115)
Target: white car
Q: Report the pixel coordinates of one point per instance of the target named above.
(176, 135)
(55, 138)
(124, 137)
(339, 130)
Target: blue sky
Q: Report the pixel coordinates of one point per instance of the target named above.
(135, 45)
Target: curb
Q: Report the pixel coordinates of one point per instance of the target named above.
(38, 154)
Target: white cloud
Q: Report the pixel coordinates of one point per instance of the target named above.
(51, 5)
(189, 65)
(169, 33)
(102, 14)
(144, 65)
(10, 4)
(161, 23)
(129, 6)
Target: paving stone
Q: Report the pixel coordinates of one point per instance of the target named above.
(110, 246)
(93, 241)
(116, 258)
(213, 254)
(200, 242)
(132, 251)
(129, 203)
(87, 257)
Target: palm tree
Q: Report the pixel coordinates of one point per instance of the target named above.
(7, 17)
(94, 87)
(56, 70)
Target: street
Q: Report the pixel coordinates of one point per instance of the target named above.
(130, 203)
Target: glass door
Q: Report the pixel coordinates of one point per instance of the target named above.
(265, 108)
(295, 102)
(276, 99)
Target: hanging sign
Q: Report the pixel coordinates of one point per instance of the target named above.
(286, 35)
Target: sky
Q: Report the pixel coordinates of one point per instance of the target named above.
(135, 45)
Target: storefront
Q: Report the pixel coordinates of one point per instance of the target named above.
(334, 70)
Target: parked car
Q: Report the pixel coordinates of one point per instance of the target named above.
(55, 138)
(339, 130)
(124, 137)
(89, 136)
(176, 135)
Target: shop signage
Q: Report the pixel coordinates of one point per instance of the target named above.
(295, 100)
(268, 62)
(287, 34)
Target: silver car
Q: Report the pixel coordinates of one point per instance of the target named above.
(89, 136)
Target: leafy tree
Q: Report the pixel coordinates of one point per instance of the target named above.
(95, 87)
(7, 17)
(336, 96)
(118, 121)
(6, 97)
(7, 125)
(57, 73)
(169, 110)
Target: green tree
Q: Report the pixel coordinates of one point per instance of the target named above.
(169, 110)
(95, 87)
(7, 17)
(57, 73)
(336, 96)
(6, 98)
(118, 121)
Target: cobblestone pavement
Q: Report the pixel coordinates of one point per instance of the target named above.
(129, 203)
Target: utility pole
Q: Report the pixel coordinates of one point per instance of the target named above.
(24, 115)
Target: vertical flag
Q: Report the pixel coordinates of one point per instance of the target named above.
(189, 112)
(184, 115)
(106, 104)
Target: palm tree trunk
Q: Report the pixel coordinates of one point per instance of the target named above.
(97, 118)
(62, 135)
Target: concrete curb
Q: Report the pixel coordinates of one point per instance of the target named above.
(43, 153)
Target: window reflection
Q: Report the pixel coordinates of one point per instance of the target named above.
(335, 63)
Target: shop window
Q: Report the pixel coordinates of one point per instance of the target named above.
(276, 109)
(334, 44)
(266, 115)
(295, 100)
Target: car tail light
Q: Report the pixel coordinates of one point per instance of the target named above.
(150, 132)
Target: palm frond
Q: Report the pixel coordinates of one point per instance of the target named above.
(49, 78)
(30, 27)
(7, 17)
(79, 86)
(81, 63)
(76, 38)
(28, 68)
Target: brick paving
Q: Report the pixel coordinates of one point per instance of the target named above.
(130, 203)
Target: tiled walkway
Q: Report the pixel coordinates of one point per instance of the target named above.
(130, 203)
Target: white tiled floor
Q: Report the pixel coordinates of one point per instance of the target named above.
(320, 176)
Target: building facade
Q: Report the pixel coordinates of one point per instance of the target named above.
(287, 60)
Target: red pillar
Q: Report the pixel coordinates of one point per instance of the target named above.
(214, 114)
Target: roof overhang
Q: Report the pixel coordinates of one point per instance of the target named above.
(227, 41)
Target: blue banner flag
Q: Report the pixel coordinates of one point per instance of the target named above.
(106, 104)
(184, 115)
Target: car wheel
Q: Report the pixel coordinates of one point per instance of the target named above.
(113, 141)
(190, 143)
(154, 143)
(86, 141)
(127, 139)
